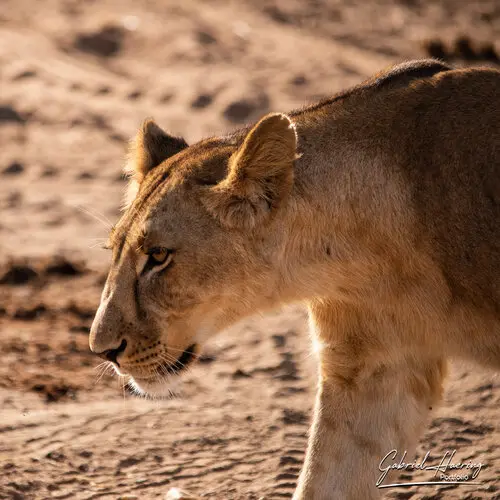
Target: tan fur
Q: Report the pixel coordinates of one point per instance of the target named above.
(379, 208)
(149, 148)
(260, 175)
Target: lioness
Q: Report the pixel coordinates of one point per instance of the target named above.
(379, 208)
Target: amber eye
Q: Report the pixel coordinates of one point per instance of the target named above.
(158, 257)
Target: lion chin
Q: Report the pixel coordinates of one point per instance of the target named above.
(166, 388)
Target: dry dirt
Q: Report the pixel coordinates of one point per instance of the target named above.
(76, 79)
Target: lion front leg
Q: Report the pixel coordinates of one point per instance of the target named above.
(366, 406)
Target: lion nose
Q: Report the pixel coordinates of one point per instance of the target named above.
(112, 354)
(106, 333)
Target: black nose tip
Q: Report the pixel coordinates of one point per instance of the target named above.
(112, 354)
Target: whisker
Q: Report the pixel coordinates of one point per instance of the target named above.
(162, 380)
(181, 351)
(164, 352)
(97, 244)
(170, 359)
(100, 372)
(104, 368)
(123, 380)
(100, 365)
(167, 356)
(167, 369)
(174, 349)
(185, 368)
(95, 215)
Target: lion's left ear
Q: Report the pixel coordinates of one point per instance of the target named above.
(260, 175)
(150, 147)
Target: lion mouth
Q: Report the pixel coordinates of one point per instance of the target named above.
(182, 362)
(164, 374)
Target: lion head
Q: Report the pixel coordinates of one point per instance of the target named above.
(195, 248)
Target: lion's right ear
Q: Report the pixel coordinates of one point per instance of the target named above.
(150, 147)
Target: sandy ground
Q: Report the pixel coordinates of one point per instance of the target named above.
(76, 80)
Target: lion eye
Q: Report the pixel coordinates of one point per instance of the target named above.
(158, 257)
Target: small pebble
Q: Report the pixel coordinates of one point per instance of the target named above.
(177, 494)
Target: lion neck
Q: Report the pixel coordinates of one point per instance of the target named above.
(335, 233)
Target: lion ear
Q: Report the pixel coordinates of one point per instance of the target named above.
(260, 175)
(150, 147)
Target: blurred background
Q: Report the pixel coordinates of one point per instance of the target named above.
(76, 80)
